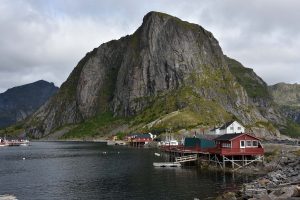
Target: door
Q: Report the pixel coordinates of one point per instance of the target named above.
(242, 144)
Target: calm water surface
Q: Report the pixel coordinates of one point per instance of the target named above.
(81, 170)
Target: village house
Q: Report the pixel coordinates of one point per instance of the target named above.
(138, 139)
(228, 128)
(238, 144)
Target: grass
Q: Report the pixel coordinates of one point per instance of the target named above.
(297, 152)
(191, 110)
(13, 131)
(246, 77)
(271, 152)
(291, 129)
(97, 126)
(268, 125)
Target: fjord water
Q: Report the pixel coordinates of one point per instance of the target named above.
(85, 170)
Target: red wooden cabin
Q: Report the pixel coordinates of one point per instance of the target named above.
(237, 144)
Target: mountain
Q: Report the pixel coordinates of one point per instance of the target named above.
(287, 96)
(19, 102)
(168, 74)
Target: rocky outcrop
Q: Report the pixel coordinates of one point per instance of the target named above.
(287, 96)
(283, 182)
(166, 65)
(257, 91)
(19, 102)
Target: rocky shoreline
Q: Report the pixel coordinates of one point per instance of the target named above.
(282, 178)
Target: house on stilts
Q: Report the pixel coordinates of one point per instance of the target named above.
(228, 150)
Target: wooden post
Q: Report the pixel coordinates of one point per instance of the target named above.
(232, 162)
(243, 160)
(223, 162)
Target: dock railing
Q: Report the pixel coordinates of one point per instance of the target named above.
(188, 158)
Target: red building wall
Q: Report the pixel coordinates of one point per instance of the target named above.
(236, 141)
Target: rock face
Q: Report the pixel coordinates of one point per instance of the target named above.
(281, 183)
(19, 102)
(166, 60)
(257, 90)
(287, 96)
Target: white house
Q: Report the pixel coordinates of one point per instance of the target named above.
(230, 127)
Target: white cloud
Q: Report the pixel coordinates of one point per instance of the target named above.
(46, 39)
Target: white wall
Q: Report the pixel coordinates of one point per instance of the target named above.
(235, 127)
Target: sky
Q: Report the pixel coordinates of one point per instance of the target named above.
(45, 39)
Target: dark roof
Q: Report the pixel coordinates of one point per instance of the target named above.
(226, 125)
(228, 136)
(143, 135)
(208, 137)
(214, 129)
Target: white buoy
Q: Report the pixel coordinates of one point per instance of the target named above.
(157, 154)
(23, 158)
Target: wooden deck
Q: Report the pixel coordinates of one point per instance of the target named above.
(222, 157)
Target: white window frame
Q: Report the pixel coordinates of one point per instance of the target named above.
(250, 141)
(256, 143)
(241, 144)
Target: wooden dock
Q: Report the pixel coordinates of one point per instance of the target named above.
(188, 158)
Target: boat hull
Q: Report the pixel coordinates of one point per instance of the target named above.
(166, 164)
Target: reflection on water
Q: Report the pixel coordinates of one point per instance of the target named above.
(77, 170)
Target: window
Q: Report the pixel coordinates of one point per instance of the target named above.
(254, 143)
(226, 145)
(249, 143)
(231, 128)
(239, 128)
(242, 144)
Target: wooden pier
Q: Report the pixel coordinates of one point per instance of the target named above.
(233, 151)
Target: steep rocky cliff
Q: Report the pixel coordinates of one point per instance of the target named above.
(287, 96)
(167, 65)
(19, 102)
(257, 90)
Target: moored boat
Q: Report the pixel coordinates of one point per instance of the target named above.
(3, 142)
(166, 164)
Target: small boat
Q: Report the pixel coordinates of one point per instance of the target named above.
(24, 143)
(156, 154)
(3, 142)
(166, 164)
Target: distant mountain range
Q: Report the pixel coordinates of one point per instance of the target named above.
(19, 102)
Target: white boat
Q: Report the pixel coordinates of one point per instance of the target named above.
(169, 141)
(3, 142)
(166, 164)
(24, 143)
(117, 142)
